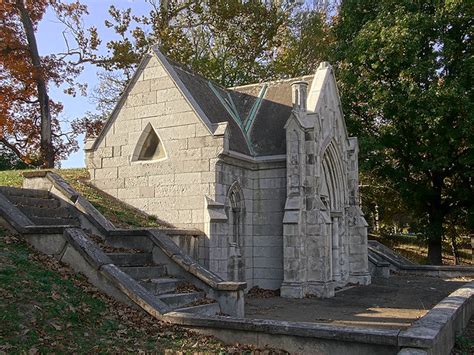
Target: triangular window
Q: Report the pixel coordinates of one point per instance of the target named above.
(149, 146)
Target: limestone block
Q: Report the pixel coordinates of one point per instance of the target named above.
(189, 202)
(208, 177)
(136, 181)
(153, 110)
(127, 150)
(146, 192)
(211, 152)
(128, 193)
(179, 132)
(187, 154)
(266, 273)
(193, 165)
(116, 139)
(268, 262)
(271, 183)
(199, 142)
(106, 173)
(202, 130)
(159, 180)
(197, 216)
(169, 94)
(185, 216)
(141, 87)
(115, 162)
(93, 162)
(126, 114)
(144, 98)
(268, 241)
(188, 178)
(117, 151)
(109, 183)
(268, 251)
(274, 205)
(177, 106)
(162, 83)
(272, 173)
(268, 218)
(154, 72)
(103, 152)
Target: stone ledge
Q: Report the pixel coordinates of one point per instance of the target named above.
(80, 202)
(86, 247)
(135, 291)
(161, 240)
(440, 324)
(299, 329)
(35, 174)
(13, 215)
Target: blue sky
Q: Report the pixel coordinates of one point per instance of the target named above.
(50, 40)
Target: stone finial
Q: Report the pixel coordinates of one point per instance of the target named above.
(299, 92)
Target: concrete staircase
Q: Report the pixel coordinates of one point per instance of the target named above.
(178, 294)
(130, 254)
(41, 207)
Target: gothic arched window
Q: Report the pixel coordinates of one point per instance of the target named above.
(149, 146)
(236, 209)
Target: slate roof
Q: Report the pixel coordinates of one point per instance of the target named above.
(267, 134)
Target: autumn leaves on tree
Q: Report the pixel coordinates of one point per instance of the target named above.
(28, 116)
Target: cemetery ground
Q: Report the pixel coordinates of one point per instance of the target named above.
(45, 305)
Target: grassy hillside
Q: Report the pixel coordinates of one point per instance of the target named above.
(119, 213)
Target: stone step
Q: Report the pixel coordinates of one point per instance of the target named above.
(53, 221)
(129, 242)
(57, 212)
(179, 300)
(145, 272)
(159, 286)
(210, 309)
(131, 259)
(15, 191)
(22, 201)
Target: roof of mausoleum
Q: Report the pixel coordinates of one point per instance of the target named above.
(256, 113)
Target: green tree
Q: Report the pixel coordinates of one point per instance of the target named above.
(406, 71)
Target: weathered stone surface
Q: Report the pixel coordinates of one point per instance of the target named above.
(86, 247)
(135, 291)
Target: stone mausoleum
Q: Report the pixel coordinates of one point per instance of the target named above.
(266, 171)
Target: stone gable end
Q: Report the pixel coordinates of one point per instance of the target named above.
(172, 186)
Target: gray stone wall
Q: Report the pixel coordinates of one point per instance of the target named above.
(174, 187)
(260, 247)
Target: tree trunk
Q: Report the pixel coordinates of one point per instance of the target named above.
(436, 219)
(455, 249)
(47, 150)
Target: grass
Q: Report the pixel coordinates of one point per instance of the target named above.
(118, 212)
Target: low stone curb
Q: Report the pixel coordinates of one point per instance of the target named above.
(298, 329)
(436, 331)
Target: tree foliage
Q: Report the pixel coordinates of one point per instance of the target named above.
(406, 72)
(29, 118)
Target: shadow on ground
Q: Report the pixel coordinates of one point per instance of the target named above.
(391, 303)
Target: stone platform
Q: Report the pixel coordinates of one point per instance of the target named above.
(393, 303)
